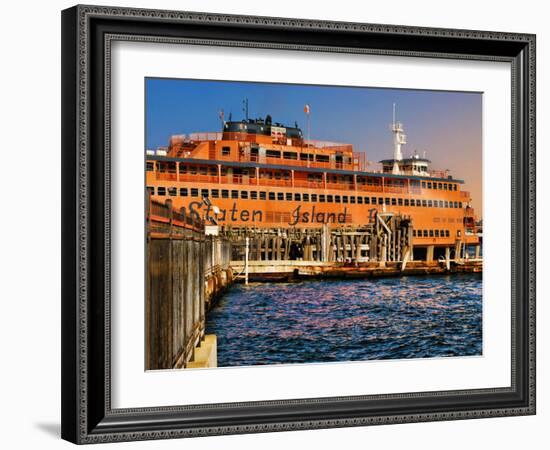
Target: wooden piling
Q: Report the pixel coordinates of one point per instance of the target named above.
(384, 240)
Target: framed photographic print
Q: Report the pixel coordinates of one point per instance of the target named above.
(282, 224)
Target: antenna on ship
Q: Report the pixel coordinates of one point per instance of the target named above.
(399, 139)
(221, 115)
(245, 108)
(307, 111)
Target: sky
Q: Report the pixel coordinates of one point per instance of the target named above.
(446, 125)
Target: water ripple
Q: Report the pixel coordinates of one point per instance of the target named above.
(348, 320)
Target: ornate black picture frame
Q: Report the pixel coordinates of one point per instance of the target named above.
(87, 33)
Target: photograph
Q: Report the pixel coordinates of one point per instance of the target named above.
(300, 224)
(287, 219)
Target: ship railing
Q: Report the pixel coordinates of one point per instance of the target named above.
(439, 173)
(251, 137)
(273, 182)
(369, 187)
(199, 178)
(236, 179)
(219, 156)
(295, 162)
(205, 136)
(269, 160)
(240, 179)
(264, 181)
(168, 176)
(309, 184)
(343, 186)
(317, 164)
(241, 136)
(328, 145)
(360, 162)
(331, 165)
(395, 189)
(301, 163)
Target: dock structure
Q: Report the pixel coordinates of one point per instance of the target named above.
(186, 270)
(387, 238)
(383, 247)
(190, 265)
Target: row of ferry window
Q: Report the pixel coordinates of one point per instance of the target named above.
(226, 151)
(285, 175)
(431, 233)
(298, 197)
(439, 186)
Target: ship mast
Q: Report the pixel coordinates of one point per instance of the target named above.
(245, 108)
(399, 139)
(307, 111)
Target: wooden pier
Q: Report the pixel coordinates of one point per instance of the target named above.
(294, 270)
(186, 270)
(381, 248)
(388, 238)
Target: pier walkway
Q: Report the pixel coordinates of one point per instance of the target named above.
(290, 270)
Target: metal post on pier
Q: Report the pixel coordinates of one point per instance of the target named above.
(246, 248)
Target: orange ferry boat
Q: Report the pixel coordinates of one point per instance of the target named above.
(259, 173)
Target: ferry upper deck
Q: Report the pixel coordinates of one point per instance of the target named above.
(277, 171)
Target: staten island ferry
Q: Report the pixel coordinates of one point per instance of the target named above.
(260, 173)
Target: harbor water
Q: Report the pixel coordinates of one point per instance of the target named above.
(349, 320)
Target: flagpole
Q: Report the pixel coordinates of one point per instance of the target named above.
(307, 111)
(308, 129)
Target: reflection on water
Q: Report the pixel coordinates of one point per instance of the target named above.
(348, 320)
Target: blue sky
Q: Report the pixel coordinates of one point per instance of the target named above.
(446, 125)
